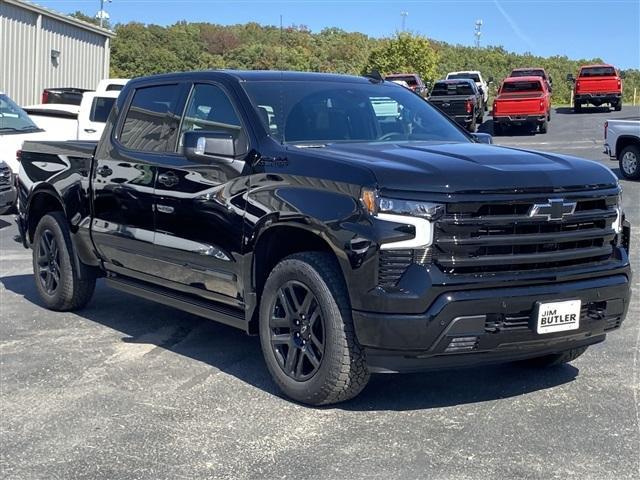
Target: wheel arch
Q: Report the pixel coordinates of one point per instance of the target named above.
(278, 241)
(624, 141)
(44, 199)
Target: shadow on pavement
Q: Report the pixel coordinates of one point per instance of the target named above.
(4, 223)
(237, 354)
(569, 110)
(513, 131)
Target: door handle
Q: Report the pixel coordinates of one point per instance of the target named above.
(168, 179)
(104, 171)
(90, 130)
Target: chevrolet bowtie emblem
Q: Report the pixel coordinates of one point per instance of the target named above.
(555, 209)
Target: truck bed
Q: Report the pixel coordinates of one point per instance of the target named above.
(75, 148)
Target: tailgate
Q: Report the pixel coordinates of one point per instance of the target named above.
(597, 85)
(450, 106)
(519, 105)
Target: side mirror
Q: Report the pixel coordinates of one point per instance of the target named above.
(490, 80)
(570, 77)
(482, 138)
(209, 146)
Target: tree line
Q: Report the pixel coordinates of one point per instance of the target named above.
(140, 49)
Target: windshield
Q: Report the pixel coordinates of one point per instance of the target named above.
(471, 76)
(317, 113)
(453, 88)
(598, 72)
(527, 73)
(13, 118)
(521, 87)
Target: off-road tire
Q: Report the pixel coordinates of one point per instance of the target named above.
(617, 106)
(577, 107)
(71, 293)
(554, 359)
(497, 129)
(343, 372)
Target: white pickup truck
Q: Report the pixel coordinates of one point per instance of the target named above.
(476, 76)
(622, 142)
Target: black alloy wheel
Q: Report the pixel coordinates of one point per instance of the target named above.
(297, 331)
(48, 262)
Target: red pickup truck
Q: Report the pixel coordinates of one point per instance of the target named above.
(597, 85)
(522, 101)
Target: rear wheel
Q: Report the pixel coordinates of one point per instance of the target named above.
(577, 106)
(57, 279)
(307, 334)
(617, 106)
(629, 159)
(543, 126)
(498, 129)
(555, 359)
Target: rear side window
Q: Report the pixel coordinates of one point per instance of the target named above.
(521, 87)
(100, 109)
(598, 72)
(461, 88)
(151, 123)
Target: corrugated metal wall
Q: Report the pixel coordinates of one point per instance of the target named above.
(26, 67)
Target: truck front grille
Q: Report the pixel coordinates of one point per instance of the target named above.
(5, 177)
(502, 236)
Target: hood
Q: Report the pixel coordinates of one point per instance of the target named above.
(472, 167)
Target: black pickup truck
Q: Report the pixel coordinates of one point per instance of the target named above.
(344, 220)
(461, 100)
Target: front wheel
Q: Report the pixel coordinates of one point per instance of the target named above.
(629, 160)
(554, 359)
(307, 334)
(57, 280)
(618, 106)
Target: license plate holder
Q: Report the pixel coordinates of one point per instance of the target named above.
(561, 316)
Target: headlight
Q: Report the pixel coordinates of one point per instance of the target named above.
(420, 215)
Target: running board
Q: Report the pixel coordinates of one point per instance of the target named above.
(219, 313)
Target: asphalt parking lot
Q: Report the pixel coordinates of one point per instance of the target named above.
(128, 389)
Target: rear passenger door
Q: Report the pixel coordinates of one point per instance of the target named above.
(124, 175)
(200, 203)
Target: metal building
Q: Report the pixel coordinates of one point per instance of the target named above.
(40, 48)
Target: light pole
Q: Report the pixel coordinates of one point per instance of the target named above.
(404, 18)
(102, 14)
(478, 32)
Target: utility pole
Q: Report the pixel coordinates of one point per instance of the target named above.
(102, 14)
(478, 32)
(403, 14)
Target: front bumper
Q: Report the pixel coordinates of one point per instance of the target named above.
(519, 119)
(495, 325)
(8, 195)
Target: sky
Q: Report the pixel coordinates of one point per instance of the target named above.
(609, 29)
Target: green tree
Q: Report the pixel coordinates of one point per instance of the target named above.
(405, 52)
(86, 18)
